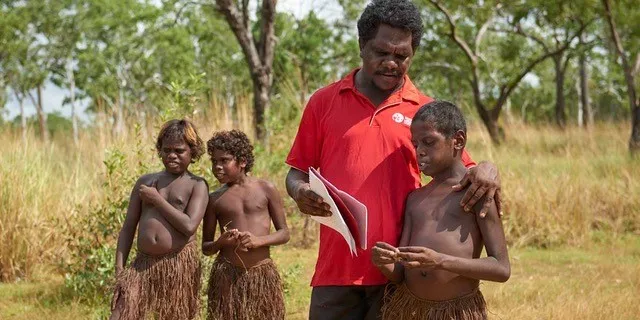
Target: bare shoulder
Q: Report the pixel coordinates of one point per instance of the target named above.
(266, 185)
(147, 179)
(215, 195)
(198, 180)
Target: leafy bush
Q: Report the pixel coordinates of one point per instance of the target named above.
(90, 272)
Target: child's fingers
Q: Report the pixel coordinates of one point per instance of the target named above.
(406, 250)
(384, 253)
(411, 264)
(154, 184)
(384, 245)
(498, 198)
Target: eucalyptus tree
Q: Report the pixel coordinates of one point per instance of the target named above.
(493, 65)
(622, 20)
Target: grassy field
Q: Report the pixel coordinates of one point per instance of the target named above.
(572, 219)
(599, 281)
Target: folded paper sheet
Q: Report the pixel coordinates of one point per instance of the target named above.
(349, 216)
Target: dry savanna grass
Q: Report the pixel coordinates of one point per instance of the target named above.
(569, 197)
(598, 281)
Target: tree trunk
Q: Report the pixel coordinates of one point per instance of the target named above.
(42, 117)
(23, 118)
(634, 141)
(585, 104)
(491, 123)
(261, 103)
(634, 104)
(119, 114)
(561, 116)
(72, 89)
(258, 54)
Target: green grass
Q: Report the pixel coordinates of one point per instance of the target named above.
(597, 281)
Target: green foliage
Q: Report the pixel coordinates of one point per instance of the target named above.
(90, 272)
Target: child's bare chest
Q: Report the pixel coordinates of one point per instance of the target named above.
(245, 202)
(176, 192)
(443, 226)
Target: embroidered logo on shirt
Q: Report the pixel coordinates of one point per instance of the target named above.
(400, 118)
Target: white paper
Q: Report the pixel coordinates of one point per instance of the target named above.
(357, 209)
(335, 221)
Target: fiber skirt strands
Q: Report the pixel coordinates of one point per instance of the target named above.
(404, 305)
(160, 287)
(245, 294)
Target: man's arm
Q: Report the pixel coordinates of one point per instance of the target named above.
(494, 267)
(276, 211)
(485, 181)
(125, 237)
(308, 202)
(185, 222)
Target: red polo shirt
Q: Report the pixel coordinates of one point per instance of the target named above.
(367, 152)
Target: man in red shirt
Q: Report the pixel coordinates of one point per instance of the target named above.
(356, 132)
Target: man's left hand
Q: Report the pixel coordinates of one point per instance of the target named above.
(485, 181)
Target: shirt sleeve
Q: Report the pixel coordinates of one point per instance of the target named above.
(307, 146)
(466, 159)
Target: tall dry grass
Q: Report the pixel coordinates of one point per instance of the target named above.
(558, 186)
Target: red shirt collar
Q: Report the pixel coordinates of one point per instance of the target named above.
(407, 92)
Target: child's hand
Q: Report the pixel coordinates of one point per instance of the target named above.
(248, 240)
(228, 238)
(149, 194)
(383, 253)
(419, 257)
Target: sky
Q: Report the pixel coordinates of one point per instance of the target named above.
(52, 96)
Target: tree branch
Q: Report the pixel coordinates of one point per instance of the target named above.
(267, 37)
(238, 25)
(482, 32)
(460, 42)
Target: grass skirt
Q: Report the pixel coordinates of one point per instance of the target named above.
(404, 305)
(244, 294)
(164, 287)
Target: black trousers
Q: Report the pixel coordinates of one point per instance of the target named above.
(346, 302)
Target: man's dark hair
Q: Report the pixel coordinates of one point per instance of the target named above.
(401, 14)
(185, 130)
(234, 142)
(444, 116)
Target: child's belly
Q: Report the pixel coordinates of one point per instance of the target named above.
(442, 284)
(156, 236)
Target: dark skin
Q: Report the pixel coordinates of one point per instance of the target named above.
(385, 61)
(244, 208)
(166, 207)
(439, 253)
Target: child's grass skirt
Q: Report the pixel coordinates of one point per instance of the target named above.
(402, 304)
(244, 294)
(164, 287)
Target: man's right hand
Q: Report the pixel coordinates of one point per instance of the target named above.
(310, 202)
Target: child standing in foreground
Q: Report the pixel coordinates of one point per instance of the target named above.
(244, 283)
(437, 266)
(166, 207)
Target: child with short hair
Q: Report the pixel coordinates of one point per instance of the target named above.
(437, 266)
(244, 283)
(166, 208)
